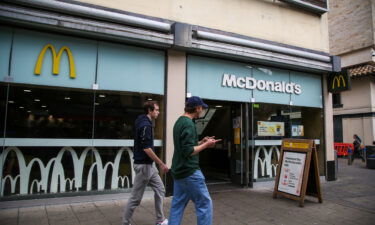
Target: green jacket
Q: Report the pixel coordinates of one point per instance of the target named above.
(184, 138)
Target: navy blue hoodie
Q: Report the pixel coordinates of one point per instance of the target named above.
(143, 139)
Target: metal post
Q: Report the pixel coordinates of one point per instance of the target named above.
(241, 144)
(247, 144)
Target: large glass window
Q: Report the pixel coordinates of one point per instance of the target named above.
(40, 112)
(115, 114)
(270, 123)
(3, 96)
(69, 140)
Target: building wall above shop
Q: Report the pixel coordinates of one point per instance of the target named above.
(351, 25)
(359, 99)
(265, 19)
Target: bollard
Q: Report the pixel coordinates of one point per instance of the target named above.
(350, 156)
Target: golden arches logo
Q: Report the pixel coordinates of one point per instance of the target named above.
(337, 80)
(56, 58)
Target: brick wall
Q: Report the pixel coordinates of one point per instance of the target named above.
(350, 25)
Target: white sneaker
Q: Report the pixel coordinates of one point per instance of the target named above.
(164, 222)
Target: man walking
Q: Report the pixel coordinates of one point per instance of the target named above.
(189, 182)
(144, 166)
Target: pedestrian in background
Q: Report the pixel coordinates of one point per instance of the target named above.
(358, 147)
(146, 172)
(189, 182)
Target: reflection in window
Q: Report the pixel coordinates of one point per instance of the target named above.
(45, 112)
(115, 114)
(37, 112)
(3, 96)
(271, 121)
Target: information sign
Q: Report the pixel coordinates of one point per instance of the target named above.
(298, 173)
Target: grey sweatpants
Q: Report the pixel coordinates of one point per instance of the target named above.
(145, 174)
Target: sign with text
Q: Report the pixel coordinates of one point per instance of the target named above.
(292, 173)
(297, 131)
(266, 128)
(298, 173)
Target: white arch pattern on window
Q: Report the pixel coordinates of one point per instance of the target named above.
(266, 165)
(58, 174)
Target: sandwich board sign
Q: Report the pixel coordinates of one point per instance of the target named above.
(298, 173)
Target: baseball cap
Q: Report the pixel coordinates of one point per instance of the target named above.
(196, 101)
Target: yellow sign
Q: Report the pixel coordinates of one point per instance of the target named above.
(296, 145)
(237, 136)
(338, 80)
(56, 58)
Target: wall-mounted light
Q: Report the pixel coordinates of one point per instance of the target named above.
(26, 90)
(67, 98)
(37, 100)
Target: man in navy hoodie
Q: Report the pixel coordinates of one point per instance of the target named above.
(146, 172)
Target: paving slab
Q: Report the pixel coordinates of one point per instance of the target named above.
(347, 201)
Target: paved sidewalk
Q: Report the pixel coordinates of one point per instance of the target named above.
(349, 200)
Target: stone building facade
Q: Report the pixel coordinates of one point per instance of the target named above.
(352, 37)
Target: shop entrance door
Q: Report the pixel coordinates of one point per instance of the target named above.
(226, 163)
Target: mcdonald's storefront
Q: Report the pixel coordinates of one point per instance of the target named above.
(68, 106)
(67, 111)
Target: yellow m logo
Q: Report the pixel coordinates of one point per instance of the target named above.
(337, 80)
(55, 60)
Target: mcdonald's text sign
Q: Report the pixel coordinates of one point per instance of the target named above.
(338, 82)
(56, 58)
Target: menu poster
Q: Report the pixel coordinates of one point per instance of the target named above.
(291, 174)
(297, 131)
(266, 128)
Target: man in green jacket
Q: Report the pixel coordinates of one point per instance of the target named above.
(189, 182)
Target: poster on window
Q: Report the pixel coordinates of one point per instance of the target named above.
(291, 174)
(297, 131)
(266, 128)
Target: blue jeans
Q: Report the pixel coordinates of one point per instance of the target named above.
(192, 188)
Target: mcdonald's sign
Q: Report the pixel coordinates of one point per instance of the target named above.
(56, 58)
(339, 82)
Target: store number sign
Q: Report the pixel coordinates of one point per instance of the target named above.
(291, 174)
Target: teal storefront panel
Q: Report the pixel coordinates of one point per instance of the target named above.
(126, 68)
(311, 95)
(205, 77)
(27, 45)
(271, 78)
(233, 81)
(5, 46)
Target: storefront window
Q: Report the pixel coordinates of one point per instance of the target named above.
(36, 112)
(3, 96)
(115, 114)
(271, 123)
(69, 140)
(308, 123)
